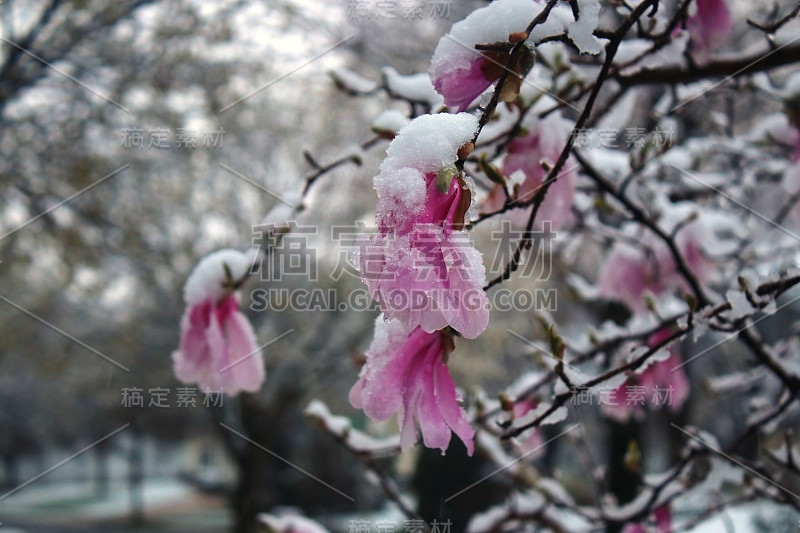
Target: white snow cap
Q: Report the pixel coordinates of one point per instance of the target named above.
(581, 31)
(415, 87)
(390, 120)
(352, 81)
(496, 21)
(208, 277)
(430, 142)
(284, 210)
(489, 24)
(290, 524)
(427, 144)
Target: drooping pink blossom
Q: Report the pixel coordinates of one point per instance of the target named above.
(627, 274)
(407, 374)
(709, 27)
(458, 71)
(461, 85)
(426, 272)
(531, 439)
(663, 523)
(543, 142)
(218, 348)
(421, 266)
(461, 72)
(630, 271)
(661, 384)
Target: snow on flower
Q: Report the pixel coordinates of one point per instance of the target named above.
(660, 384)
(406, 373)
(421, 267)
(544, 141)
(461, 73)
(458, 71)
(218, 348)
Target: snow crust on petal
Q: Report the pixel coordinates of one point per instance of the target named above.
(405, 374)
(430, 142)
(489, 24)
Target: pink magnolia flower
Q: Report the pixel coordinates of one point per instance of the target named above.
(421, 267)
(709, 27)
(461, 73)
(627, 274)
(663, 519)
(427, 273)
(461, 85)
(630, 272)
(543, 142)
(407, 374)
(531, 440)
(663, 522)
(218, 348)
(656, 386)
(458, 71)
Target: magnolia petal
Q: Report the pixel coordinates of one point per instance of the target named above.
(453, 414)
(246, 367)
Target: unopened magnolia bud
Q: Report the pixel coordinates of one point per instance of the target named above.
(445, 177)
(384, 134)
(633, 457)
(506, 403)
(649, 302)
(465, 150)
(691, 301)
(517, 37)
(359, 358)
(743, 284)
(491, 171)
(593, 339)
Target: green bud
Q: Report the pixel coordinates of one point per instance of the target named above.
(445, 177)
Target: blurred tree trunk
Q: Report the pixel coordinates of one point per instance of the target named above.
(100, 471)
(10, 470)
(438, 477)
(623, 482)
(257, 490)
(136, 476)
